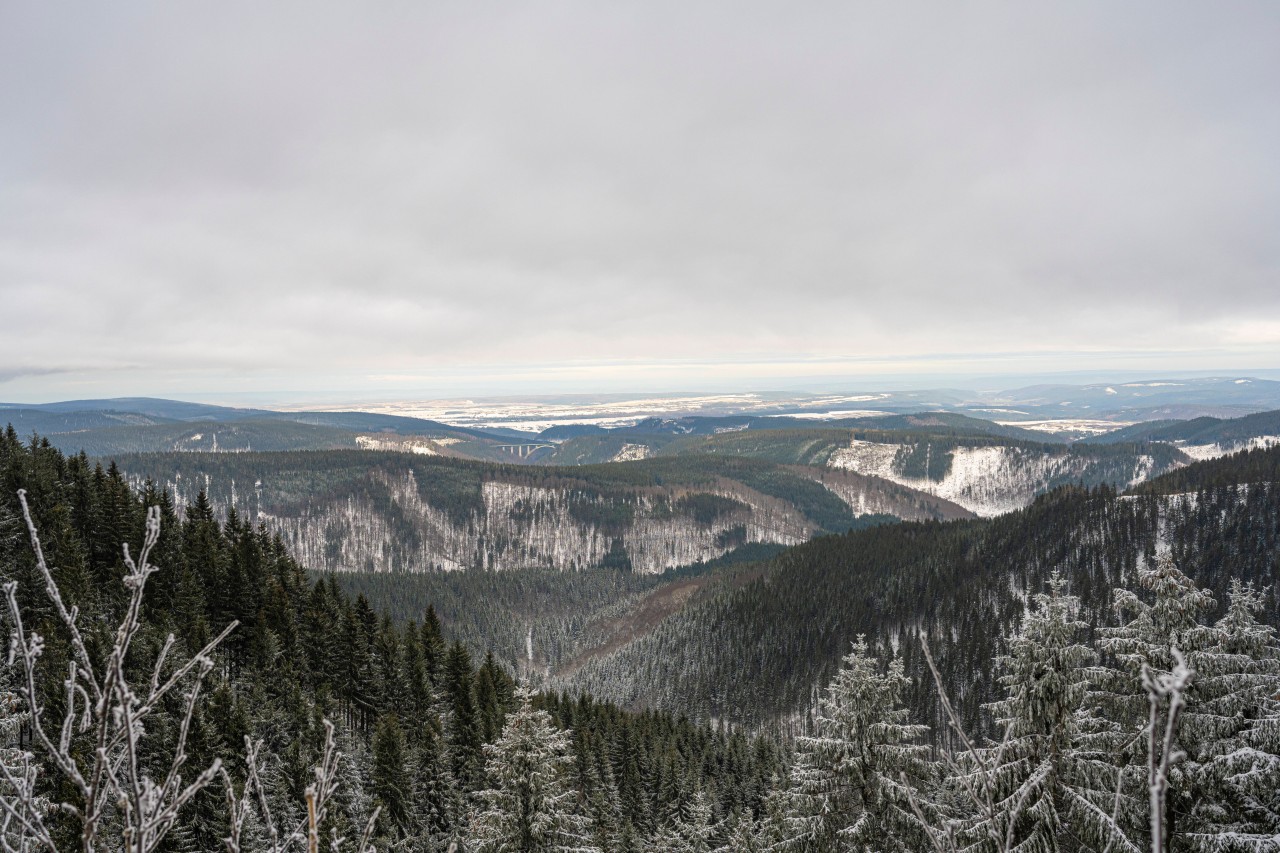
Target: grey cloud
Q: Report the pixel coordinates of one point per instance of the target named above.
(301, 190)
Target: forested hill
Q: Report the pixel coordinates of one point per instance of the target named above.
(372, 511)
(986, 471)
(447, 752)
(1260, 465)
(414, 713)
(756, 653)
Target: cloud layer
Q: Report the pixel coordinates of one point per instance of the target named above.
(301, 196)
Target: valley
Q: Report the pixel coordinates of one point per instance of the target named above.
(717, 578)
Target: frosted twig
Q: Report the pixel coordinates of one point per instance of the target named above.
(108, 778)
(1161, 752)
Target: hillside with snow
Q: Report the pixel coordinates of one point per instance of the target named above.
(379, 511)
(995, 478)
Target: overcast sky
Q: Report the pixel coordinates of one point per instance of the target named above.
(287, 201)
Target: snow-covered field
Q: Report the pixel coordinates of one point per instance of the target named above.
(535, 415)
(1073, 427)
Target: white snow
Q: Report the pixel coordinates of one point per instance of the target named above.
(1075, 426)
(632, 453)
(988, 481)
(397, 444)
(1201, 452)
(838, 413)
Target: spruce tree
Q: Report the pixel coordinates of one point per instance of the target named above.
(529, 805)
(742, 835)
(847, 790)
(1232, 733)
(18, 764)
(463, 728)
(1048, 791)
(437, 801)
(697, 831)
(389, 782)
(1166, 617)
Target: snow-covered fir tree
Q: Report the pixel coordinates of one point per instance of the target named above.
(695, 830)
(530, 805)
(1164, 614)
(1232, 733)
(742, 835)
(437, 800)
(847, 787)
(390, 781)
(1038, 788)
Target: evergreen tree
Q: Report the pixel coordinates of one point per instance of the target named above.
(1232, 733)
(1049, 792)
(695, 832)
(465, 741)
(16, 762)
(529, 806)
(742, 835)
(847, 791)
(389, 781)
(1169, 620)
(437, 801)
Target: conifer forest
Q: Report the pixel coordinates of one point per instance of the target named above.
(1097, 672)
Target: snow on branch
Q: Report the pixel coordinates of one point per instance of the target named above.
(1168, 690)
(116, 804)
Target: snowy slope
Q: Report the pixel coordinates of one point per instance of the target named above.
(988, 480)
(1201, 452)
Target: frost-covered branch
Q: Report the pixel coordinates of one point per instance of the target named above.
(305, 835)
(977, 784)
(97, 745)
(1163, 688)
(103, 709)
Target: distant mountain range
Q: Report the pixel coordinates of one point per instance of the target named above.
(986, 465)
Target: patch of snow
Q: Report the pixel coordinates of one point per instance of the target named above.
(838, 413)
(988, 481)
(1111, 390)
(1077, 426)
(401, 445)
(632, 453)
(1142, 471)
(1201, 452)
